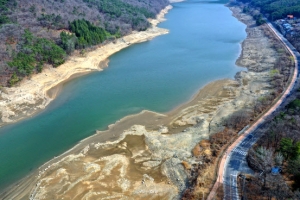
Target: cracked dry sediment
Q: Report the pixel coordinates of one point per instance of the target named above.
(32, 94)
(145, 161)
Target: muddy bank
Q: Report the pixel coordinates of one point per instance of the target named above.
(32, 94)
(141, 156)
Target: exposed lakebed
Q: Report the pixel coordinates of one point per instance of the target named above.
(202, 46)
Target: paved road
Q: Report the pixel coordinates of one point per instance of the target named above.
(234, 161)
(235, 164)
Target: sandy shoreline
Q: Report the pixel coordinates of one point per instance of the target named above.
(32, 93)
(191, 122)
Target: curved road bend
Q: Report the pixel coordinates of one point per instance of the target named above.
(233, 161)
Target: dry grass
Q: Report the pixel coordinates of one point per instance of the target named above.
(205, 143)
(186, 165)
(197, 150)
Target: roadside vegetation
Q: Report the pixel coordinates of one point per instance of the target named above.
(208, 152)
(59, 27)
(275, 9)
(278, 147)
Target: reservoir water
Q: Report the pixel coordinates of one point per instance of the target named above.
(158, 75)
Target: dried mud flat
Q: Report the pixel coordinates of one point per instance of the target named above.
(140, 157)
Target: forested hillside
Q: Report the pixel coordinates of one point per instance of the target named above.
(276, 9)
(38, 32)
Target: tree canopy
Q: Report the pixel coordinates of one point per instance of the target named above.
(87, 33)
(65, 25)
(34, 52)
(277, 9)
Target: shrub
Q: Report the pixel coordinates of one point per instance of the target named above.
(294, 104)
(35, 51)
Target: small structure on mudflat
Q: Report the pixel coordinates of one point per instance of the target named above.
(275, 170)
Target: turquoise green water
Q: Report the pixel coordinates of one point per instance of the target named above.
(202, 46)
